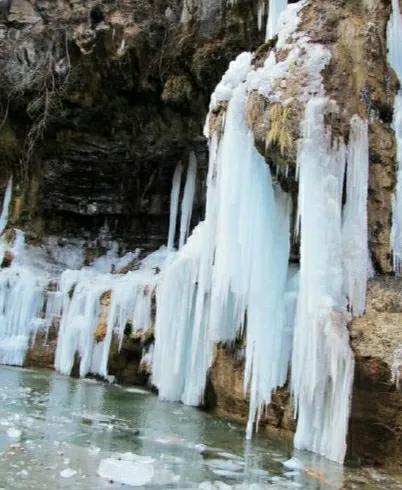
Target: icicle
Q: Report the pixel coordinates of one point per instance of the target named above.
(260, 14)
(394, 36)
(174, 205)
(355, 248)
(188, 200)
(236, 261)
(82, 291)
(130, 305)
(322, 361)
(6, 206)
(21, 300)
(275, 8)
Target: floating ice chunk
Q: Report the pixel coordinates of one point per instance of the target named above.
(224, 464)
(93, 451)
(137, 391)
(68, 473)
(132, 469)
(233, 475)
(13, 433)
(134, 473)
(294, 464)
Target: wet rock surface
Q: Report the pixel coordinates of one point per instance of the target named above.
(225, 394)
(376, 421)
(100, 102)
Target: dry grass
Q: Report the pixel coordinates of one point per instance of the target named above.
(280, 128)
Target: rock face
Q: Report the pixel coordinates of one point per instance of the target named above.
(376, 421)
(359, 80)
(225, 394)
(43, 349)
(101, 100)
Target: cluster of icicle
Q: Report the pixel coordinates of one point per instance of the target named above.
(395, 60)
(231, 277)
(39, 290)
(271, 8)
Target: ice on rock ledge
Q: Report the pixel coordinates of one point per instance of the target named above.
(236, 74)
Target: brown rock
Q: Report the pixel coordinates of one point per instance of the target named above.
(41, 354)
(22, 12)
(225, 394)
(7, 259)
(376, 418)
(100, 332)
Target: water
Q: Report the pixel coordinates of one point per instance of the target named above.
(51, 425)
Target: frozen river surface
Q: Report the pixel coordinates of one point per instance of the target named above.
(61, 433)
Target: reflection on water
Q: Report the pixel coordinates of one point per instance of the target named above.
(54, 431)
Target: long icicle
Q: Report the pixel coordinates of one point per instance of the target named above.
(394, 37)
(322, 360)
(174, 205)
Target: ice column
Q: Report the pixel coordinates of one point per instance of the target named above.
(394, 36)
(275, 8)
(6, 206)
(21, 300)
(188, 200)
(322, 360)
(355, 238)
(234, 265)
(174, 205)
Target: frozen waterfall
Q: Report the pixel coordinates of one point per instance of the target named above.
(322, 360)
(234, 265)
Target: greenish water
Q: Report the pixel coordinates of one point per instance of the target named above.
(51, 425)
